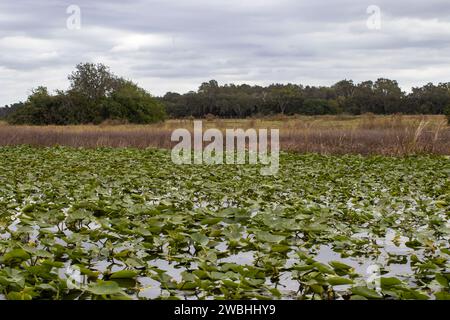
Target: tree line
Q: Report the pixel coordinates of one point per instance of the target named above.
(383, 96)
(96, 94)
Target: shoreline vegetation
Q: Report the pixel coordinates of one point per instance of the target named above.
(368, 134)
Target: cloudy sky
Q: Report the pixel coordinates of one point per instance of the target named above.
(168, 45)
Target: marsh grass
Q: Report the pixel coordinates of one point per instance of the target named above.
(367, 134)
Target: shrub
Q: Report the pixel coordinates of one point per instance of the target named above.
(447, 113)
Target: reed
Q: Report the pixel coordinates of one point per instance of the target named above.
(367, 134)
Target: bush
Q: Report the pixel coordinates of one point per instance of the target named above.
(447, 113)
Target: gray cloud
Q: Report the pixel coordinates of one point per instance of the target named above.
(174, 45)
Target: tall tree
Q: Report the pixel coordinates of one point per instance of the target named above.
(388, 96)
(95, 81)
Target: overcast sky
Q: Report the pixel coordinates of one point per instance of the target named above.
(167, 45)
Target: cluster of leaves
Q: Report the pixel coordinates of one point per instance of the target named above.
(135, 226)
(383, 96)
(95, 95)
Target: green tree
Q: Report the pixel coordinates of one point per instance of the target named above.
(133, 104)
(429, 99)
(95, 81)
(283, 96)
(388, 96)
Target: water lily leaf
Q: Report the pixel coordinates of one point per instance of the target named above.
(231, 284)
(337, 265)
(16, 255)
(218, 275)
(188, 286)
(280, 248)
(124, 274)
(410, 294)
(46, 286)
(337, 281)
(442, 280)
(317, 289)
(142, 231)
(88, 272)
(414, 244)
(366, 293)
(200, 238)
(389, 282)
(13, 277)
(323, 268)
(19, 296)
(268, 237)
(188, 277)
(42, 254)
(442, 295)
(105, 288)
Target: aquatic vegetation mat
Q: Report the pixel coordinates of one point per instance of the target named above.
(128, 224)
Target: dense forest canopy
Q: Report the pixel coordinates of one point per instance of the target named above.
(383, 96)
(96, 95)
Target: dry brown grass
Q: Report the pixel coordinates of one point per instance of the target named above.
(367, 134)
